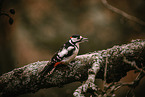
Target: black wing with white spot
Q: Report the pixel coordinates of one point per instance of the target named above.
(65, 51)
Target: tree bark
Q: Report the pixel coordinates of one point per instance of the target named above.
(26, 79)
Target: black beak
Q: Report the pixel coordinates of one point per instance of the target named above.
(84, 39)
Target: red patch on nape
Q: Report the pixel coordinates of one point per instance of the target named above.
(57, 63)
(70, 37)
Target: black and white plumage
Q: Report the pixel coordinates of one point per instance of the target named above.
(65, 54)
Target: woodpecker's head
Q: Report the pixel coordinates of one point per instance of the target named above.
(78, 39)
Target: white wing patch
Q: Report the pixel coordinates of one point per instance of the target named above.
(65, 51)
(70, 58)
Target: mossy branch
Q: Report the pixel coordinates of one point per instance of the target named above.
(26, 79)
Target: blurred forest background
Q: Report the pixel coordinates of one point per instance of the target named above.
(41, 26)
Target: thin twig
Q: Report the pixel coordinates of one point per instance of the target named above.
(115, 86)
(133, 64)
(129, 91)
(105, 71)
(124, 14)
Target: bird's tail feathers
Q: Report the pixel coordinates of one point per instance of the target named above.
(47, 69)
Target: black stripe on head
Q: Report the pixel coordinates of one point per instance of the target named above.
(76, 36)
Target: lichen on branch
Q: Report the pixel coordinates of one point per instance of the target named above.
(84, 67)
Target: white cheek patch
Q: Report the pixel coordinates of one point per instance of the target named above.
(63, 52)
(74, 39)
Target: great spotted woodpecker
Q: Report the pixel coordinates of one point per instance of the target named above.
(65, 54)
